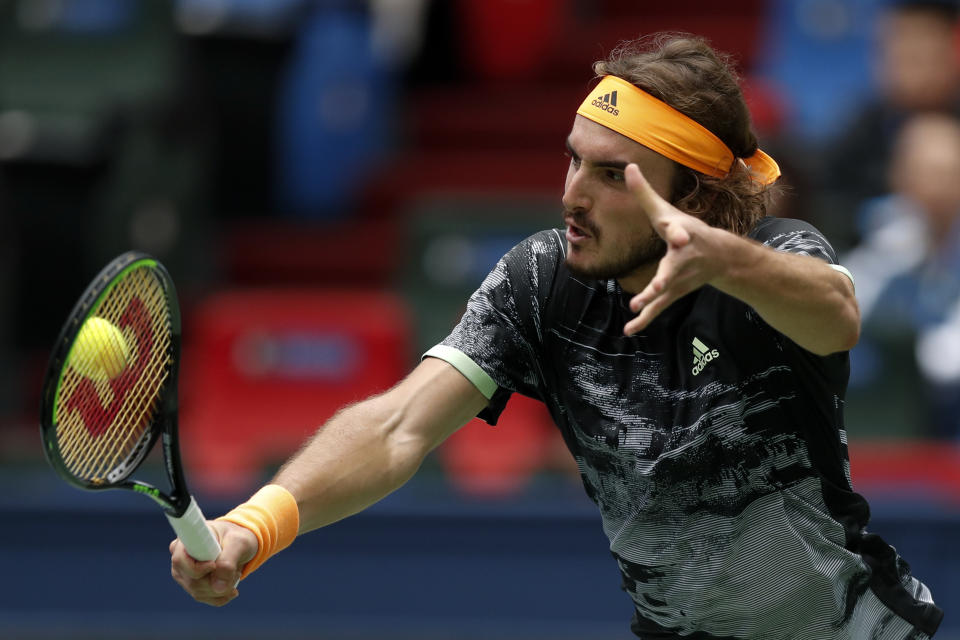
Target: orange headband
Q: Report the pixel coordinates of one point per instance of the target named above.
(621, 106)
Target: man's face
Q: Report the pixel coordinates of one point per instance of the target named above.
(918, 61)
(925, 167)
(608, 234)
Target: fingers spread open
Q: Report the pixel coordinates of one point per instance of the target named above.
(647, 313)
(662, 291)
(650, 292)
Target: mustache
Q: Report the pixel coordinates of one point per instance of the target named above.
(579, 219)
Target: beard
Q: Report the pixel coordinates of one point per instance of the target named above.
(641, 253)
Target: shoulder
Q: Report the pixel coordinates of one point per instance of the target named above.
(544, 245)
(535, 261)
(794, 236)
(521, 279)
(770, 228)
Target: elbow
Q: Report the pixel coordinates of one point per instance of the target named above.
(406, 449)
(850, 324)
(846, 321)
(845, 332)
(849, 336)
(406, 456)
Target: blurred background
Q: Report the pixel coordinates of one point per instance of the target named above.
(327, 182)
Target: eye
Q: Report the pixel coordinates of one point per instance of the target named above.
(613, 175)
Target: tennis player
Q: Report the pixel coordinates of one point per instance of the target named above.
(693, 353)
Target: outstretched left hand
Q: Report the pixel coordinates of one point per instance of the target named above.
(691, 261)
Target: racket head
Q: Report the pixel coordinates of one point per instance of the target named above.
(98, 427)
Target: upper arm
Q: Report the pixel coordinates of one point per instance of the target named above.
(432, 402)
(800, 289)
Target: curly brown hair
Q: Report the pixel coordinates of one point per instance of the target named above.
(688, 74)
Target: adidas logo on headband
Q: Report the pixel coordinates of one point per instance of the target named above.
(607, 102)
(658, 126)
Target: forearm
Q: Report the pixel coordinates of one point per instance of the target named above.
(800, 296)
(354, 460)
(372, 448)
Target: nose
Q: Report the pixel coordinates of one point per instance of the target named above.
(576, 192)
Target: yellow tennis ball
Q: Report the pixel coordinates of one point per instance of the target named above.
(100, 352)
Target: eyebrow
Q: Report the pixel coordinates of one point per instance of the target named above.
(608, 164)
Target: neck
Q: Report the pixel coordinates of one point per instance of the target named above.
(636, 281)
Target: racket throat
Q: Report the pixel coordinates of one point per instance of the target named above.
(152, 492)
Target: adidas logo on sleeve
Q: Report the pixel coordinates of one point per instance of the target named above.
(702, 356)
(607, 102)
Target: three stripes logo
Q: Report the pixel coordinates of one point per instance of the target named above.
(607, 102)
(702, 355)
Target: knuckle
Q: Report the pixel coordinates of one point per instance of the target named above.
(191, 572)
(224, 566)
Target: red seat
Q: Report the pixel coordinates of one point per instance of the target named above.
(263, 369)
(920, 467)
(486, 461)
(510, 39)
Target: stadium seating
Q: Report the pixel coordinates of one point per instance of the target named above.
(798, 41)
(335, 102)
(80, 66)
(264, 368)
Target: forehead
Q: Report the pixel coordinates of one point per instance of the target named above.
(595, 143)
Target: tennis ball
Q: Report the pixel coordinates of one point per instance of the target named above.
(100, 351)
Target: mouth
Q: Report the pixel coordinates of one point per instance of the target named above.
(575, 233)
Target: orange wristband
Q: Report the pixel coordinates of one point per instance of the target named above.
(273, 516)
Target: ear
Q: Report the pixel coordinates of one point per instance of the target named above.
(690, 196)
(683, 184)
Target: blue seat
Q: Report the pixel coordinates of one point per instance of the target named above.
(335, 102)
(817, 53)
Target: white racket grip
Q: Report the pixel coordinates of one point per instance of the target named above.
(196, 536)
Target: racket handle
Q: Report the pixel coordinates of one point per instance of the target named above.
(196, 536)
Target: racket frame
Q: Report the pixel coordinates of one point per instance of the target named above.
(164, 427)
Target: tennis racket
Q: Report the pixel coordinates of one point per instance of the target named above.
(98, 427)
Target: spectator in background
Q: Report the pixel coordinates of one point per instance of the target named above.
(917, 69)
(908, 267)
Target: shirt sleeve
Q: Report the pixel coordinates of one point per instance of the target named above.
(799, 237)
(498, 339)
(823, 374)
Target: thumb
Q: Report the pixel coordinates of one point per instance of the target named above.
(239, 547)
(649, 199)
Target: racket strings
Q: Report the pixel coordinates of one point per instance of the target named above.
(120, 440)
(102, 446)
(108, 400)
(102, 423)
(123, 433)
(93, 460)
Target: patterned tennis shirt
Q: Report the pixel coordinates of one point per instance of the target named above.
(712, 444)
